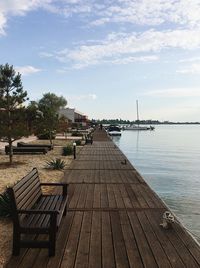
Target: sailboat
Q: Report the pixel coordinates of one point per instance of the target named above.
(138, 127)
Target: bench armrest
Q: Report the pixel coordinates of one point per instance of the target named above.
(53, 183)
(63, 184)
(32, 211)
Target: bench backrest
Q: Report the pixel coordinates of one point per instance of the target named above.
(26, 192)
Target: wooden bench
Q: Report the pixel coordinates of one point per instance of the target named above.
(24, 145)
(88, 139)
(25, 150)
(35, 213)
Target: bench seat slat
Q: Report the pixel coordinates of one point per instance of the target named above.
(31, 201)
(28, 221)
(25, 179)
(44, 218)
(27, 193)
(52, 202)
(26, 184)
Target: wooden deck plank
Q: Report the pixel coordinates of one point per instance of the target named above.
(125, 196)
(121, 258)
(168, 247)
(111, 196)
(101, 157)
(97, 196)
(70, 252)
(90, 196)
(192, 246)
(146, 253)
(160, 256)
(130, 242)
(182, 250)
(139, 196)
(83, 196)
(61, 242)
(102, 176)
(95, 260)
(118, 197)
(100, 165)
(104, 196)
(75, 197)
(82, 257)
(108, 259)
(132, 196)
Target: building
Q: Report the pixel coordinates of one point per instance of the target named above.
(75, 116)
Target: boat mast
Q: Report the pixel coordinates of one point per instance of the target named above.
(137, 112)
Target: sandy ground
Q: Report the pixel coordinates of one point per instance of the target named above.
(22, 165)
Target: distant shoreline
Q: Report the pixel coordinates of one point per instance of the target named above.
(107, 122)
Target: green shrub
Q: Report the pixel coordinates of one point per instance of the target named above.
(5, 208)
(46, 136)
(78, 142)
(77, 134)
(68, 150)
(56, 164)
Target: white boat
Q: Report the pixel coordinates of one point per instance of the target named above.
(138, 127)
(114, 130)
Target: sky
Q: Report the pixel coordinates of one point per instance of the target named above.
(103, 55)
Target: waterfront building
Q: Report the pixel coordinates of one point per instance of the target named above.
(75, 116)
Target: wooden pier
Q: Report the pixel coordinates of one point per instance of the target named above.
(113, 219)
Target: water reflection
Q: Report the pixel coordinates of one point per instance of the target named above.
(169, 160)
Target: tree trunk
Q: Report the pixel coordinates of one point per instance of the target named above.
(50, 137)
(10, 152)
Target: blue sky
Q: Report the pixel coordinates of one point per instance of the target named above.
(104, 55)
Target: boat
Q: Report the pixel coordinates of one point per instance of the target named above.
(114, 130)
(138, 127)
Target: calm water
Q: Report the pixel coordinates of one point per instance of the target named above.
(169, 160)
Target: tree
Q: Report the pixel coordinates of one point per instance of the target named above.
(33, 115)
(53, 101)
(63, 123)
(12, 113)
(49, 105)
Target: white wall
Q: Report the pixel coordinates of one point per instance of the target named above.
(69, 113)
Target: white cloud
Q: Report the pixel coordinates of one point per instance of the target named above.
(89, 96)
(193, 59)
(10, 8)
(174, 93)
(27, 70)
(182, 13)
(154, 12)
(120, 47)
(192, 69)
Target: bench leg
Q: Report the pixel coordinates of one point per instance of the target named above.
(52, 244)
(16, 243)
(52, 235)
(65, 211)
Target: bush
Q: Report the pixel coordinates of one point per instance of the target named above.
(68, 150)
(77, 134)
(78, 142)
(46, 136)
(5, 208)
(56, 164)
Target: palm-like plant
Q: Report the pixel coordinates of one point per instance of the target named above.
(5, 208)
(57, 164)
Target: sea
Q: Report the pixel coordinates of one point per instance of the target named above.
(168, 158)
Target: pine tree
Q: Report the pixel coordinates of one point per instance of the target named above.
(13, 123)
